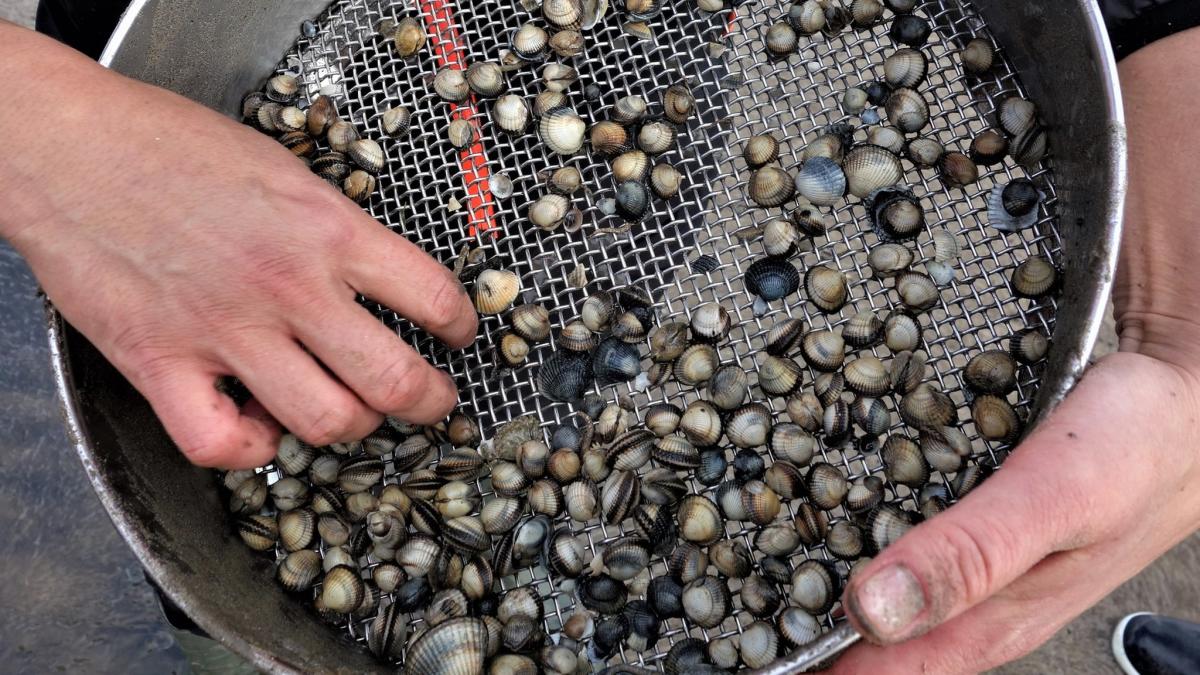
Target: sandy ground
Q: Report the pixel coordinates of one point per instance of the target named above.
(1170, 586)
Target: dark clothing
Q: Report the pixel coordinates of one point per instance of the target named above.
(1132, 24)
(84, 25)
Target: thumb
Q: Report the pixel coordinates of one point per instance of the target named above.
(1034, 506)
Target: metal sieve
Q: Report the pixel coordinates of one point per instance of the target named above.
(438, 197)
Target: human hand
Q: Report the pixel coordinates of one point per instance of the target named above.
(188, 247)
(1096, 493)
(1108, 482)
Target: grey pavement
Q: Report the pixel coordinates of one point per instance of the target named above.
(18, 11)
(95, 612)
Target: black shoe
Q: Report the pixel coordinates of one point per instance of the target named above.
(1149, 644)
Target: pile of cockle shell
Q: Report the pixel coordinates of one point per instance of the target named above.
(630, 137)
(332, 147)
(396, 528)
(835, 167)
(418, 535)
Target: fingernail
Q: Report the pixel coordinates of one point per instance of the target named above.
(888, 602)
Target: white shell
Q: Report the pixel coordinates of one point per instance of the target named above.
(869, 168)
(549, 211)
(945, 246)
(1017, 115)
(496, 290)
(759, 644)
(451, 85)
(887, 137)
(511, 113)
(941, 273)
(562, 131)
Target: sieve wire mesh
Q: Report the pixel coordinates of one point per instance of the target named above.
(423, 195)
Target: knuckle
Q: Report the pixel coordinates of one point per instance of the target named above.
(333, 424)
(973, 556)
(448, 307)
(271, 268)
(398, 386)
(339, 234)
(149, 353)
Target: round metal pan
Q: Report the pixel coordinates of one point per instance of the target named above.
(214, 51)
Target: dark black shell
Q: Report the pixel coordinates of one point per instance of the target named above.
(748, 465)
(565, 376)
(633, 297)
(837, 17)
(633, 200)
(910, 30)
(565, 436)
(488, 605)
(844, 131)
(877, 92)
(775, 570)
(610, 633)
(712, 467)
(643, 623)
(900, 6)
(705, 263)
(592, 405)
(602, 593)
(412, 594)
(880, 201)
(772, 279)
(1020, 197)
(665, 596)
(645, 316)
(867, 444)
(615, 361)
(684, 656)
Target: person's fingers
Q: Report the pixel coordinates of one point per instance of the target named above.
(296, 390)
(1007, 626)
(386, 373)
(1045, 499)
(394, 272)
(205, 424)
(962, 556)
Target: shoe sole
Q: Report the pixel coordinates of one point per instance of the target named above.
(1118, 644)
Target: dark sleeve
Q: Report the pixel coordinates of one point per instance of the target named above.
(1133, 24)
(83, 24)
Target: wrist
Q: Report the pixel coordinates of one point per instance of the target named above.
(1157, 283)
(54, 104)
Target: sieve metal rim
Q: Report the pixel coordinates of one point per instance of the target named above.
(144, 542)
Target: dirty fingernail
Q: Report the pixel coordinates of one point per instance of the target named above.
(888, 602)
